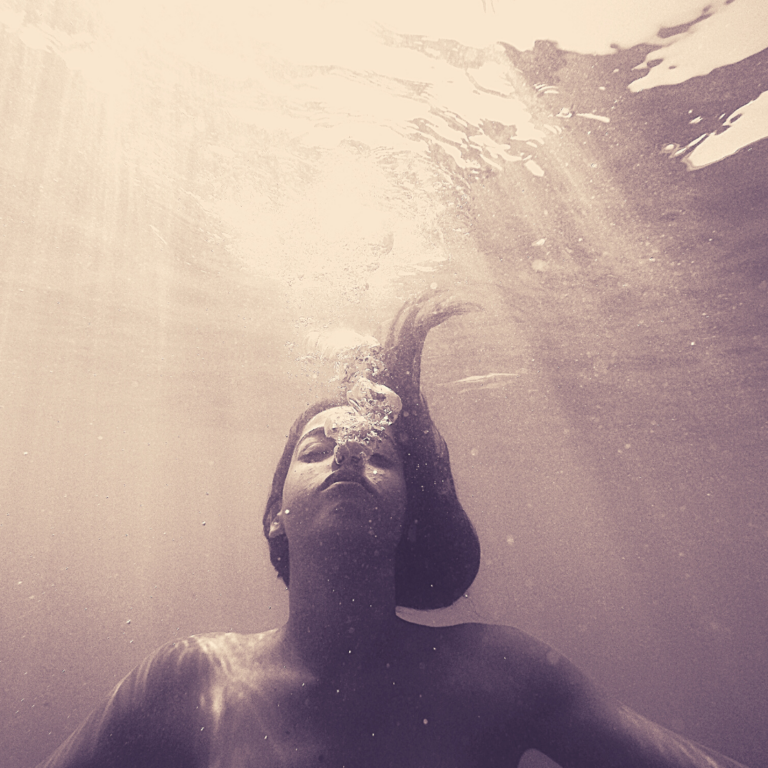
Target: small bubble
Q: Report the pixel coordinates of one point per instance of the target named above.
(473, 452)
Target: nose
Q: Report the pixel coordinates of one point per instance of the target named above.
(351, 454)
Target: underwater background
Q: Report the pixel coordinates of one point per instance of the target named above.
(189, 192)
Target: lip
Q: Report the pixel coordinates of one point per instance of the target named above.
(345, 476)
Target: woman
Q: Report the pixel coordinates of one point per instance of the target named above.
(363, 517)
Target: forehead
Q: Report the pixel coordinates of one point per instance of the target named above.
(318, 421)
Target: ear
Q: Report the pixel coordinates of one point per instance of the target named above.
(276, 526)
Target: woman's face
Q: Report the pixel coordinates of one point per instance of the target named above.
(327, 490)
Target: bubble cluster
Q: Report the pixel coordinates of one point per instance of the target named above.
(373, 406)
(362, 361)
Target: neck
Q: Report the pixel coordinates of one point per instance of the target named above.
(340, 613)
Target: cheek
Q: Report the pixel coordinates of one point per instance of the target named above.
(400, 491)
(292, 490)
(392, 487)
(301, 484)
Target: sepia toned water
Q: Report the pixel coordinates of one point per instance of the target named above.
(190, 192)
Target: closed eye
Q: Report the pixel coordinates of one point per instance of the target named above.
(315, 453)
(381, 460)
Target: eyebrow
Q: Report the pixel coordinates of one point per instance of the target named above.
(310, 434)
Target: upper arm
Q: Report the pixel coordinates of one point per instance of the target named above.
(149, 719)
(579, 726)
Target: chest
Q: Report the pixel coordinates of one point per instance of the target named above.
(402, 720)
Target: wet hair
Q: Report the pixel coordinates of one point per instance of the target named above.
(438, 556)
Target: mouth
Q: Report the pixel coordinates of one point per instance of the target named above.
(345, 476)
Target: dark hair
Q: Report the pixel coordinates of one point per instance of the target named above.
(439, 554)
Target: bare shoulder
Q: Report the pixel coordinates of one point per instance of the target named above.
(565, 714)
(493, 643)
(232, 644)
(232, 653)
(163, 712)
(493, 636)
(193, 663)
(503, 662)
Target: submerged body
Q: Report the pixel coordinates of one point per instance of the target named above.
(346, 683)
(467, 696)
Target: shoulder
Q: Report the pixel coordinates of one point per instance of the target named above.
(190, 665)
(504, 661)
(493, 643)
(169, 683)
(178, 663)
(162, 712)
(563, 713)
(550, 680)
(209, 648)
